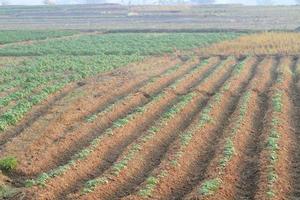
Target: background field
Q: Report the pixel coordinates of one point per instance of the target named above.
(116, 17)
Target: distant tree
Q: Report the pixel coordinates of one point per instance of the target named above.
(49, 2)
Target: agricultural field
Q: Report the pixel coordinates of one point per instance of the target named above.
(188, 116)
(163, 115)
(115, 17)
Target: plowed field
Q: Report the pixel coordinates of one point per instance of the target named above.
(213, 127)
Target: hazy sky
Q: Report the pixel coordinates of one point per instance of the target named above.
(247, 2)
(253, 2)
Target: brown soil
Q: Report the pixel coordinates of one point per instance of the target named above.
(282, 185)
(70, 137)
(154, 149)
(78, 136)
(238, 176)
(57, 129)
(188, 170)
(249, 165)
(295, 160)
(111, 146)
(69, 108)
(202, 148)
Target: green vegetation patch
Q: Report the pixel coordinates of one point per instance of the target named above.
(210, 186)
(8, 163)
(7, 36)
(277, 101)
(119, 44)
(73, 59)
(7, 192)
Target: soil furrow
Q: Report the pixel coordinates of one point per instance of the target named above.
(62, 149)
(207, 138)
(35, 115)
(169, 186)
(295, 151)
(163, 137)
(61, 116)
(162, 140)
(110, 148)
(246, 185)
(275, 157)
(65, 138)
(223, 170)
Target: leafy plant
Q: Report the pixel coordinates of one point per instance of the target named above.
(277, 102)
(228, 152)
(210, 186)
(8, 163)
(7, 192)
(151, 183)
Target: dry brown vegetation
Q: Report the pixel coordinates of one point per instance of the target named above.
(266, 43)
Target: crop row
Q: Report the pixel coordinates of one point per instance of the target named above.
(235, 154)
(161, 133)
(41, 180)
(93, 117)
(65, 69)
(187, 136)
(116, 124)
(169, 99)
(101, 115)
(98, 117)
(210, 186)
(118, 44)
(135, 148)
(26, 99)
(279, 117)
(109, 108)
(13, 115)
